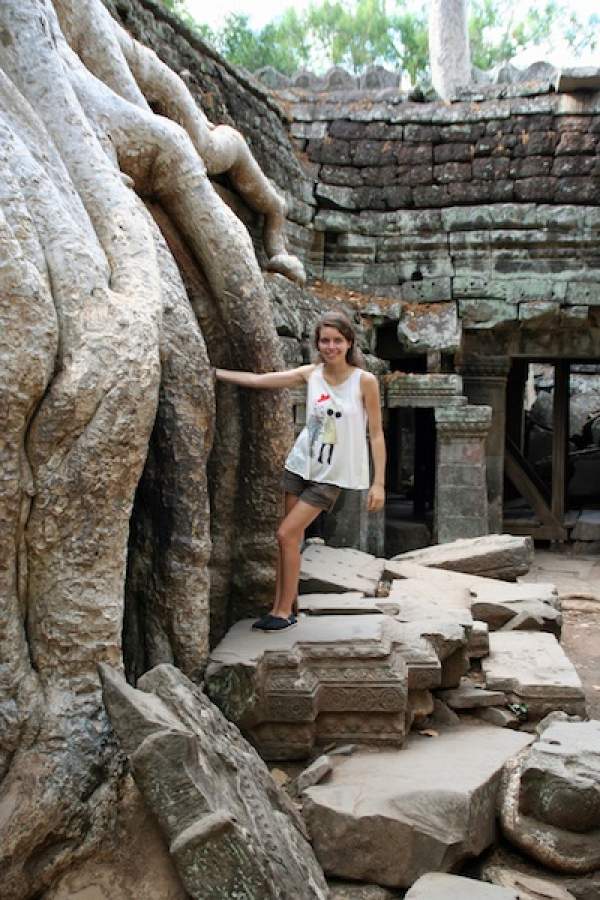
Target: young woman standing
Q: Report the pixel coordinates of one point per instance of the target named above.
(330, 453)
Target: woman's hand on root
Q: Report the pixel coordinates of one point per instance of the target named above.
(376, 498)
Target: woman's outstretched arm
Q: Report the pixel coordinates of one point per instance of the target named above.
(266, 380)
(370, 391)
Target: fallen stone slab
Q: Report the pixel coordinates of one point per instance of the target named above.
(471, 696)
(531, 668)
(550, 800)
(392, 817)
(491, 601)
(332, 570)
(519, 615)
(437, 886)
(528, 887)
(313, 774)
(231, 830)
(330, 679)
(503, 556)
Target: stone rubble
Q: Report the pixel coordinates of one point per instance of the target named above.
(435, 886)
(532, 669)
(529, 887)
(550, 798)
(390, 817)
(231, 830)
(502, 556)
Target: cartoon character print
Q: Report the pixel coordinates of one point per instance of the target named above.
(329, 430)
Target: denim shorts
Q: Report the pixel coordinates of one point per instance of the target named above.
(323, 496)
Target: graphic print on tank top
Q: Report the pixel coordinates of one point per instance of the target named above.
(332, 446)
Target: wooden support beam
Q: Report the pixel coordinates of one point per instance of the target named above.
(553, 527)
(560, 438)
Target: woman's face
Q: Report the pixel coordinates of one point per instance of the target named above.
(332, 345)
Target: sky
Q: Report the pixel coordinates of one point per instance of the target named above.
(260, 12)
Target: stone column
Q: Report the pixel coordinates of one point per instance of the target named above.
(449, 51)
(484, 383)
(461, 507)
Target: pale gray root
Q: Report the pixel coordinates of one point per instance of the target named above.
(223, 465)
(449, 51)
(170, 545)
(85, 444)
(138, 75)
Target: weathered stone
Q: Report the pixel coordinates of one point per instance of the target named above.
(529, 887)
(583, 887)
(329, 679)
(334, 570)
(479, 640)
(349, 603)
(314, 774)
(501, 556)
(435, 886)
(560, 778)
(498, 715)
(532, 669)
(230, 829)
(489, 600)
(398, 812)
(339, 890)
(427, 327)
(469, 695)
(564, 769)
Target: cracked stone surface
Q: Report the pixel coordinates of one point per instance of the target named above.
(392, 817)
(436, 886)
(333, 570)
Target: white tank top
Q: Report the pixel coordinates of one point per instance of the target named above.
(332, 446)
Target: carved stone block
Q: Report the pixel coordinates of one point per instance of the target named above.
(330, 679)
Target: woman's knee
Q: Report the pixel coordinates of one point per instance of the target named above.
(288, 537)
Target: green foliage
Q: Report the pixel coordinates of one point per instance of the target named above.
(498, 29)
(358, 33)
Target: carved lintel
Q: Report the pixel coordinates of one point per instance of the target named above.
(463, 422)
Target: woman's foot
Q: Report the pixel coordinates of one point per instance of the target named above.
(275, 623)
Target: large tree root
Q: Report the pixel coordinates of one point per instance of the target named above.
(89, 288)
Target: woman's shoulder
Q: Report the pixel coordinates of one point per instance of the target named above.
(367, 379)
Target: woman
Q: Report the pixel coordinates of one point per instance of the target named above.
(330, 453)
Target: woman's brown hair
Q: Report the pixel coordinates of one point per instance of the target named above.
(341, 323)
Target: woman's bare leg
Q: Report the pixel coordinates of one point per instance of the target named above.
(289, 537)
(289, 502)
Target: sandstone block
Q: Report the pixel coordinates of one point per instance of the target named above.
(501, 556)
(231, 831)
(529, 887)
(532, 668)
(588, 526)
(549, 800)
(479, 640)
(435, 886)
(395, 816)
(330, 679)
(334, 570)
(498, 715)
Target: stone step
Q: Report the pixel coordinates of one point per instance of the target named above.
(404, 814)
(330, 679)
